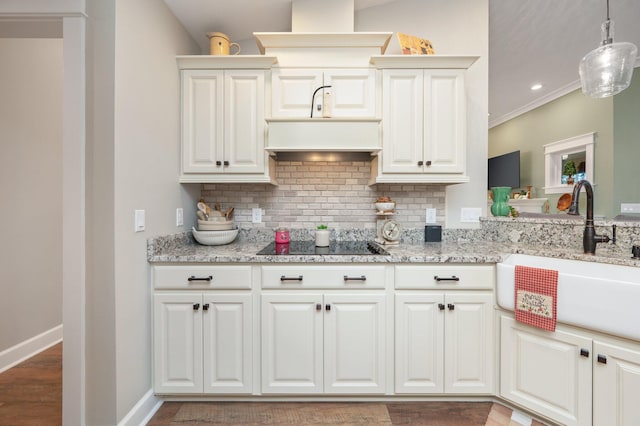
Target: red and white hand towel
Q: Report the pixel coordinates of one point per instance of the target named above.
(536, 291)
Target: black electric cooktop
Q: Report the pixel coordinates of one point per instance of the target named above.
(335, 248)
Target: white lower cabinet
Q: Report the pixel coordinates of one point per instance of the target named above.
(444, 337)
(569, 376)
(616, 385)
(323, 343)
(444, 343)
(549, 373)
(202, 342)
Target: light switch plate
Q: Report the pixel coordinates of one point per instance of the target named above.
(179, 216)
(256, 215)
(139, 221)
(470, 214)
(430, 216)
(629, 208)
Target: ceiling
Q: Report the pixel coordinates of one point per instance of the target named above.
(530, 41)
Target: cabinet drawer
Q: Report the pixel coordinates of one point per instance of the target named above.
(444, 276)
(202, 277)
(323, 276)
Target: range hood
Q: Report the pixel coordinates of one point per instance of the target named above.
(323, 38)
(323, 135)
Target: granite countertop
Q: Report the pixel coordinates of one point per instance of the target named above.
(404, 253)
(181, 248)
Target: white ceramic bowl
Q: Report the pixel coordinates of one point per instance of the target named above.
(212, 225)
(385, 206)
(214, 238)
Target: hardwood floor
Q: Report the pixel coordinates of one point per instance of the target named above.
(303, 414)
(31, 392)
(31, 395)
(397, 413)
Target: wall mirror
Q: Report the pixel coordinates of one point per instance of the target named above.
(579, 150)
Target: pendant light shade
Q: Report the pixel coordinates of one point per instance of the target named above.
(607, 70)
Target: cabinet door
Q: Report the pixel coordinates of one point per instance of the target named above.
(227, 326)
(545, 372)
(244, 124)
(402, 114)
(616, 385)
(291, 91)
(419, 360)
(354, 343)
(469, 365)
(177, 342)
(444, 121)
(352, 92)
(202, 120)
(292, 343)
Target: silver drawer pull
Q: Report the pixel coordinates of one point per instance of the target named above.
(194, 278)
(285, 278)
(360, 278)
(451, 278)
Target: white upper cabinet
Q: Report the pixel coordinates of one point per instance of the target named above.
(291, 91)
(424, 120)
(223, 121)
(352, 93)
(202, 120)
(223, 127)
(244, 121)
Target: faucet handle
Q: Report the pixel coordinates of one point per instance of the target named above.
(613, 234)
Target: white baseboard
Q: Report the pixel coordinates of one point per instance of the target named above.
(143, 411)
(25, 350)
(521, 418)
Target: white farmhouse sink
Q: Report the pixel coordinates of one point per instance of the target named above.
(592, 295)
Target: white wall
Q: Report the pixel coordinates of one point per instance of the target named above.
(31, 186)
(454, 27)
(146, 164)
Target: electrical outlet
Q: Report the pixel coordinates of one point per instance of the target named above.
(179, 216)
(629, 208)
(139, 221)
(430, 216)
(470, 214)
(256, 215)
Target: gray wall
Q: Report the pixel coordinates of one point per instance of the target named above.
(100, 249)
(133, 151)
(31, 187)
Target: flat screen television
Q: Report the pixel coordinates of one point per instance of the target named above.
(504, 170)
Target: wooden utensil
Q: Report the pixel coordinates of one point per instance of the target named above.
(229, 213)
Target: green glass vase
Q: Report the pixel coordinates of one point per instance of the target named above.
(500, 206)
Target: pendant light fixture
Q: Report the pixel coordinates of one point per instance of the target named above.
(607, 70)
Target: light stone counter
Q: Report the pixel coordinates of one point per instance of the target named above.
(181, 248)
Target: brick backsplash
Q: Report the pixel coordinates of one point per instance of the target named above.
(332, 193)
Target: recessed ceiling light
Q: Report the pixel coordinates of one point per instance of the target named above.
(536, 86)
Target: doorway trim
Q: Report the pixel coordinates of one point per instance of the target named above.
(73, 18)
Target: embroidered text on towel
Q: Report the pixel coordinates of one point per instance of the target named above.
(536, 292)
